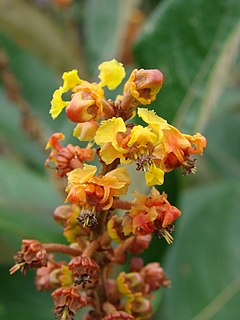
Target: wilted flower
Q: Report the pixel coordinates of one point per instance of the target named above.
(85, 271)
(32, 255)
(67, 158)
(67, 302)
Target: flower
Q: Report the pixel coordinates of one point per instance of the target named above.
(137, 143)
(67, 302)
(144, 85)
(111, 73)
(85, 271)
(154, 277)
(139, 307)
(54, 275)
(67, 158)
(86, 102)
(32, 255)
(95, 193)
(150, 214)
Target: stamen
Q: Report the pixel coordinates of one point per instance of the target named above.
(87, 217)
(189, 166)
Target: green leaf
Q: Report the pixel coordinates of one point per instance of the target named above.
(105, 29)
(15, 139)
(221, 159)
(27, 201)
(20, 299)
(189, 40)
(203, 263)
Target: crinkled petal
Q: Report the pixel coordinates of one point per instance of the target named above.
(111, 73)
(141, 137)
(71, 80)
(108, 130)
(57, 103)
(81, 175)
(154, 176)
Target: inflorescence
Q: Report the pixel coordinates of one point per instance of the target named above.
(99, 238)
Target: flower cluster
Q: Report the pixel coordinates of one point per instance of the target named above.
(99, 235)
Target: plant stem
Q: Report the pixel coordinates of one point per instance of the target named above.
(56, 247)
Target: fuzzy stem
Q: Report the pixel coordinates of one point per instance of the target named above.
(120, 204)
(91, 248)
(121, 248)
(56, 247)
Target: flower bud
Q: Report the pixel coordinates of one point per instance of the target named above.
(144, 85)
(154, 277)
(86, 103)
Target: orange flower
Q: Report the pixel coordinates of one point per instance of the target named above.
(150, 214)
(176, 148)
(95, 193)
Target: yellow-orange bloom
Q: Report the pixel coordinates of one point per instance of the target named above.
(152, 213)
(97, 192)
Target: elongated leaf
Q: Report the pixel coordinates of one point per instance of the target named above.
(204, 261)
(187, 39)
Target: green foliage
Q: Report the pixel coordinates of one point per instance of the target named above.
(195, 43)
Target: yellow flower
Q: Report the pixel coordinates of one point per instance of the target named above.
(111, 73)
(57, 103)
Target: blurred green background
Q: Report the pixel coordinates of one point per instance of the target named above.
(196, 45)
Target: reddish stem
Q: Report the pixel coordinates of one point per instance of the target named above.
(120, 204)
(56, 247)
(91, 248)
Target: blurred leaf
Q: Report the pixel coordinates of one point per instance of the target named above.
(37, 31)
(221, 159)
(203, 262)
(105, 29)
(20, 299)
(187, 39)
(37, 81)
(13, 137)
(27, 201)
